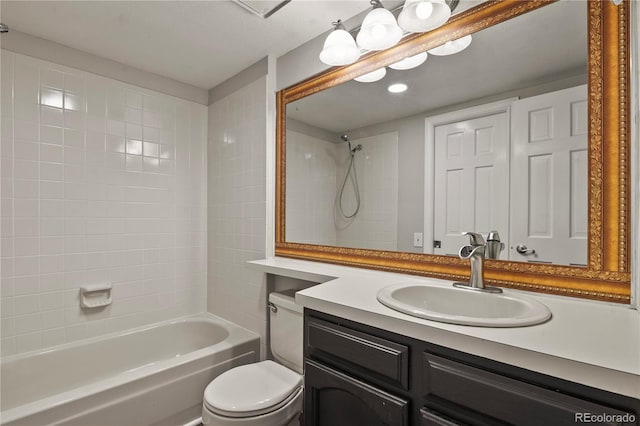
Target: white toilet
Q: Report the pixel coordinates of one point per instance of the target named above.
(265, 393)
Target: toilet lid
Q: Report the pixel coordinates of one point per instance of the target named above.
(251, 389)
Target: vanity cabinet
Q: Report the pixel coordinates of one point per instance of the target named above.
(359, 375)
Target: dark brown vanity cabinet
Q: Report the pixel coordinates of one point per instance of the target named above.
(362, 376)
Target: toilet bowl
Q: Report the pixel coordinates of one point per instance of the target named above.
(265, 393)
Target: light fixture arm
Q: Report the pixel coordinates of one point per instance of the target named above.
(338, 25)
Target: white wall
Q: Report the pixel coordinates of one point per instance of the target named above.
(237, 206)
(101, 182)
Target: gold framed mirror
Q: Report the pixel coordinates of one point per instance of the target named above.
(606, 275)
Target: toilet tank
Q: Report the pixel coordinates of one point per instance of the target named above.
(286, 330)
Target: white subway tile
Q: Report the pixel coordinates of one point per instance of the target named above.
(26, 150)
(25, 131)
(52, 97)
(51, 264)
(51, 282)
(25, 305)
(7, 327)
(74, 102)
(51, 301)
(51, 171)
(25, 169)
(51, 153)
(51, 78)
(28, 342)
(73, 155)
(25, 227)
(53, 337)
(82, 204)
(74, 82)
(73, 138)
(26, 246)
(51, 190)
(133, 115)
(76, 332)
(51, 116)
(51, 227)
(133, 131)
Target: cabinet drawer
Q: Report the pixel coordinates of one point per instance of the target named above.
(379, 357)
(503, 398)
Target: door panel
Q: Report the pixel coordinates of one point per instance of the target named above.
(471, 180)
(549, 177)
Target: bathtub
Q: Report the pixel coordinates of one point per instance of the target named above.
(149, 375)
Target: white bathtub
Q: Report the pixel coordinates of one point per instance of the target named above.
(150, 375)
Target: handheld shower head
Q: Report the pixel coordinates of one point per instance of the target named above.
(357, 148)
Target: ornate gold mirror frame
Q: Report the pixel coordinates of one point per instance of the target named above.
(607, 276)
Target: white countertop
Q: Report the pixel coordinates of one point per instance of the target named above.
(588, 342)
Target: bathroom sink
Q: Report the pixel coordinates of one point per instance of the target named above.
(462, 306)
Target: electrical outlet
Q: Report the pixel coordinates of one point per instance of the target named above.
(417, 239)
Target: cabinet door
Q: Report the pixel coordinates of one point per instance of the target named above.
(333, 398)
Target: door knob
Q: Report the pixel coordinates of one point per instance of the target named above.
(522, 249)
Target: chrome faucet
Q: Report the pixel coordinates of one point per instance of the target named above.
(475, 252)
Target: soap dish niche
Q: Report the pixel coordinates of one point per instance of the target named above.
(95, 295)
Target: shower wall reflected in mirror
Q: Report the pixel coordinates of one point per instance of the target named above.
(341, 195)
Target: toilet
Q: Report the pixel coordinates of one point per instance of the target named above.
(265, 393)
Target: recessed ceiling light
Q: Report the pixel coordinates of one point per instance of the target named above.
(397, 88)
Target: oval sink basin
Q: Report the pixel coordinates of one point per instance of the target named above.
(462, 306)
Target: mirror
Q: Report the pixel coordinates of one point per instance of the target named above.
(405, 189)
(373, 177)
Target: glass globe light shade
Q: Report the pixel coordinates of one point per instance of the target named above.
(452, 47)
(372, 76)
(419, 16)
(339, 49)
(410, 62)
(379, 30)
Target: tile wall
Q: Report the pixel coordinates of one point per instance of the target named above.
(101, 182)
(237, 206)
(376, 224)
(311, 189)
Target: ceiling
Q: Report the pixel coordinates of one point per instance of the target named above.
(534, 49)
(202, 43)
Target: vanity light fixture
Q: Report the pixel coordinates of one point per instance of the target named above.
(410, 62)
(419, 16)
(372, 76)
(379, 29)
(452, 47)
(339, 47)
(397, 88)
